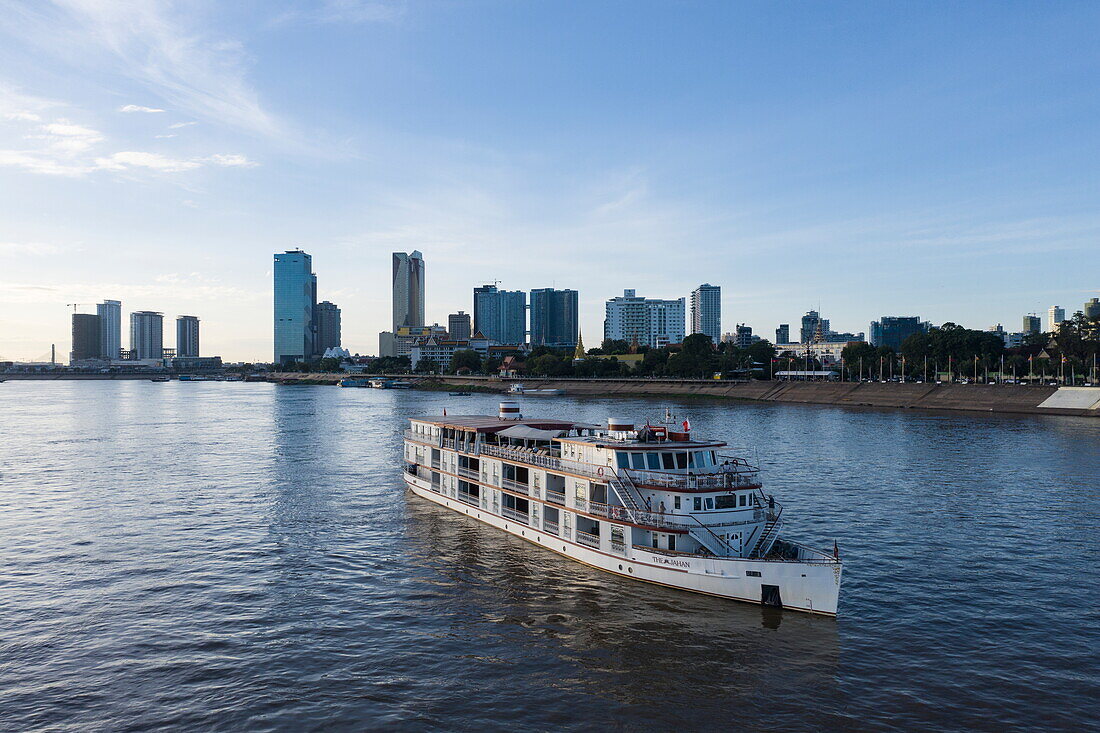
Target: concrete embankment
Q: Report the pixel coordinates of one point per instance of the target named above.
(997, 398)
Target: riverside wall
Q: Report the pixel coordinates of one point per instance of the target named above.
(987, 398)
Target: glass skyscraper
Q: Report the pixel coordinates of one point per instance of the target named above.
(147, 334)
(408, 289)
(501, 315)
(110, 328)
(893, 330)
(554, 318)
(295, 301)
(187, 336)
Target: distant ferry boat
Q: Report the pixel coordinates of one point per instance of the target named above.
(519, 389)
(355, 382)
(648, 503)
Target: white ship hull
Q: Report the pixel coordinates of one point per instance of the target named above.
(798, 586)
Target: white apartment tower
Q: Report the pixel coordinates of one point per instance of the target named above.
(652, 322)
(1055, 315)
(706, 311)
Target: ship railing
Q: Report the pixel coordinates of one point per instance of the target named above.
(516, 486)
(548, 525)
(589, 540)
(468, 498)
(722, 479)
(467, 473)
(534, 458)
(555, 497)
(517, 516)
(818, 557)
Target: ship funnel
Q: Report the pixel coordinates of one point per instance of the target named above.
(510, 410)
(617, 424)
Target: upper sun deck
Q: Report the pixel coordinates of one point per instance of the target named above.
(653, 455)
(567, 431)
(490, 424)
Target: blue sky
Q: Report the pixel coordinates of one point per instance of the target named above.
(869, 158)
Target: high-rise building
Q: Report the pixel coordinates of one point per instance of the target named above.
(554, 318)
(706, 311)
(187, 336)
(743, 338)
(1092, 308)
(110, 328)
(147, 335)
(813, 325)
(1032, 323)
(458, 326)
(326, 319)
(1055, 315)
(783, 334)
(295, 300)
(501, 315)
(893, 330)
(651, 322)
(408, 289)
(85, 337)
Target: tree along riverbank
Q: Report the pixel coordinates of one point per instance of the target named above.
(997, 398)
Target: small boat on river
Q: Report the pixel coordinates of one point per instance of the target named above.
(519, 389)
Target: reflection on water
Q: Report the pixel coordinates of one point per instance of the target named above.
(245, 556)
(641, 648)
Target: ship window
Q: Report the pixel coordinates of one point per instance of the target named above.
(698, 503)
(672, 542)
(638, 460)
(691, 460)
(709, 502)
(668, 460)
(726, 501)
(654, 460)
(676, 502)
(744, 499)
(681, 460)
(623, 460)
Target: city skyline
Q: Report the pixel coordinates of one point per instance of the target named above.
(178, 150)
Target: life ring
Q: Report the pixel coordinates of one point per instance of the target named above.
(599, 471)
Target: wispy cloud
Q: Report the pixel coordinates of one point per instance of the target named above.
(138, 108)
(71, 149)
(155, 161)
(229, 161)
(158, 44)
(34, 249)
(178, 125)
(135, 159)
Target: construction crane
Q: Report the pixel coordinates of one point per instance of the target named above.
(74, 306)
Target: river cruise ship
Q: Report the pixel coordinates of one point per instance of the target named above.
(647, 502)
